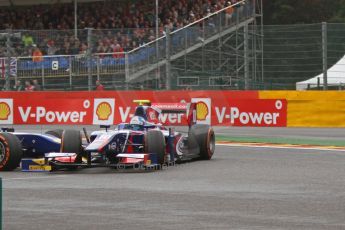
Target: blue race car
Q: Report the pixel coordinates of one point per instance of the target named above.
(143, 142)
(14, 146)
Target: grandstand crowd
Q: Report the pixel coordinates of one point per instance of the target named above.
(118, 26)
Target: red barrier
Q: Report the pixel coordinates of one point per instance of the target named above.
(231, 108)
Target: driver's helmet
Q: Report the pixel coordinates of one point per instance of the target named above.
(137, 120)
(137, 123)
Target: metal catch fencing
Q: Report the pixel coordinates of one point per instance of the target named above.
(74, 63)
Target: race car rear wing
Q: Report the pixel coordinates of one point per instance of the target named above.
(185, 108)
(171, 107)
(154, 109)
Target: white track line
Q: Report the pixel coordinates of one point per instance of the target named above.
(33, 178)
(283, 147)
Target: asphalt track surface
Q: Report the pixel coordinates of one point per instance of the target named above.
(301, 133)
(240, 188)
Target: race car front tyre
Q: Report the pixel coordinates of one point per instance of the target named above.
(155, 143)
(10, 152)
(204, 136)
(71, 143)
(56, 133)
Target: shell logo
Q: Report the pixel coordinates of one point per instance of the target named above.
(103, 111)
(5, 111)
(201, 111)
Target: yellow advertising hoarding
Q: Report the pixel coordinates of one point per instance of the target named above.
(311, 108)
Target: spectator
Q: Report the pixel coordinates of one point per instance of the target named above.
(27, 39)
(228, 13)
(28, 86)
(37, 55)
(118, 51)
(18, 86)
(99, 86)
(111, 18)
(51, 49)
(66, 50)
(76, 47)
(36, 86)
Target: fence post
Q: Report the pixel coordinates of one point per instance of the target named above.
(98, 66)
(8, 60)
(75, 19)
(236, 44)
(127, 70)
(203, 46)
(70, 71)
(89, 57)
(42, 77)
(246, 56)
(168, 64)
(158, 72)
(324, 55)
(185, 48)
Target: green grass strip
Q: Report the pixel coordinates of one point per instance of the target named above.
(277, 140)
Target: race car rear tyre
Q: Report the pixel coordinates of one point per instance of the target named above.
(56, 133)
(155, 143)
(71, 143)
(10, 152)
(204, 136)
